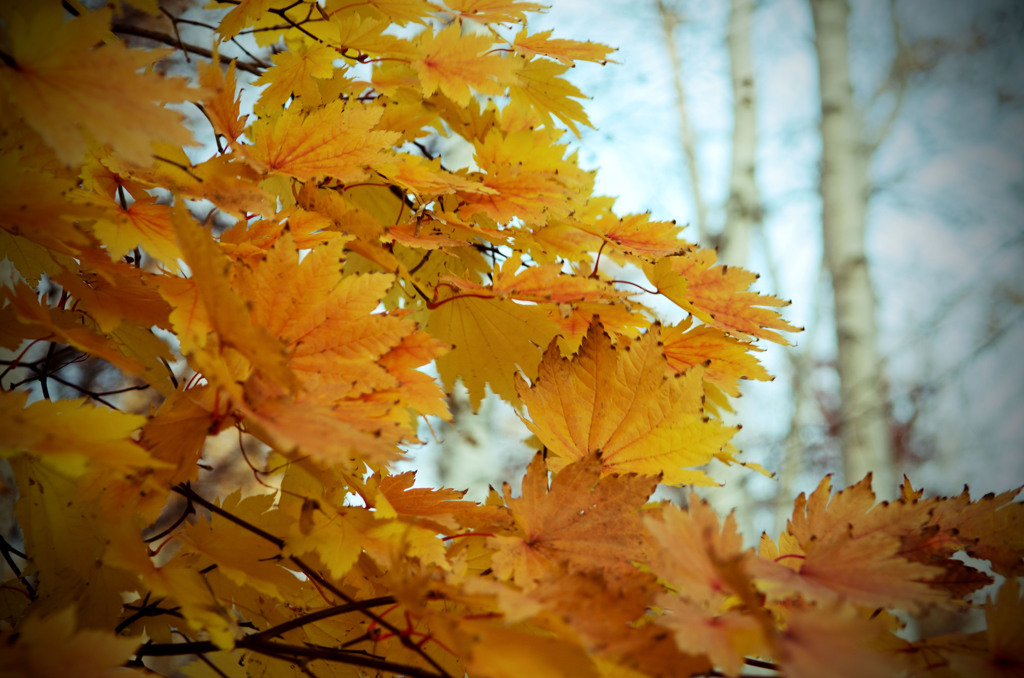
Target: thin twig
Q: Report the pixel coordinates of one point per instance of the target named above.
(6, 549)
(287, 651)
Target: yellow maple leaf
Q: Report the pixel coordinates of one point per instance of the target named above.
(50, 646)
(539, 87)
(490, 340)
(404, 11)
(337, 140)
(494, 11)
(455, 64)
(243, 557)
(180, 580)
(243, 13)
(622, 404)
(503, 652)
(68, 433)
(358, 33)
(565, 51)
(295, 72)
(71, 91)
(67, 534)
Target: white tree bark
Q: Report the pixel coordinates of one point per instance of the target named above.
(743, 209)
(844, 193)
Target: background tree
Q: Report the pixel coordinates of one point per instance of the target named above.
(742, 209)
(845, 190)
(941, 202)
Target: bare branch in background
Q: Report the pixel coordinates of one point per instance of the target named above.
(670, 20)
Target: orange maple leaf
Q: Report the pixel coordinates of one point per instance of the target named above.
(991, 528)
(833, 641)
(543, 283)
(623, 404)
(528, 179)
(637, 235)
(208, 302)
(324, 320)
(222, 102)
(583, 522)
(146, 223)
(835, 557)
(726, 359)
(718, 295)
(37, 320)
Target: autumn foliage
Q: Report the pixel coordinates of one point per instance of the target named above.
(290, 274)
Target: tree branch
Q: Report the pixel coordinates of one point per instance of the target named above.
(261, 645)
(128, 29)
(358, 606)
(325, 613)
(897, 80)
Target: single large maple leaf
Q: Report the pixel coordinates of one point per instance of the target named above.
(626, 405)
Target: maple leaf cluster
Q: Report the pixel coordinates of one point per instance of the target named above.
(293, 273)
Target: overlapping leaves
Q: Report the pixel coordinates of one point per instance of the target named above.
(243, 508)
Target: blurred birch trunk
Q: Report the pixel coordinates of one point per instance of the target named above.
(845, 190)
(743, 209)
